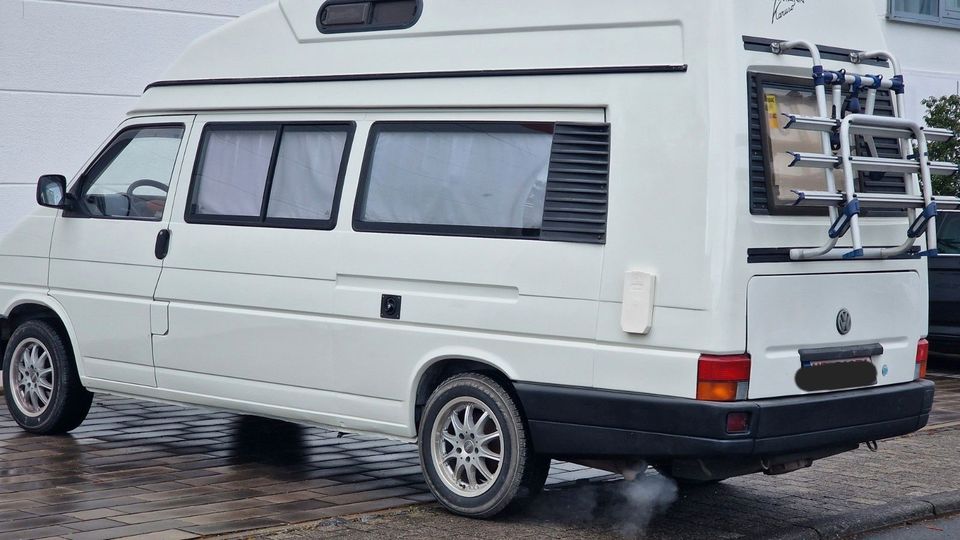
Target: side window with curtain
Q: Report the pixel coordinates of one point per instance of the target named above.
(540, 181)
(270, 175)
(429, 176)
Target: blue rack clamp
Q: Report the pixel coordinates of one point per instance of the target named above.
(853, 254)
(898, 85)
(877, 81)
(818, 76)
(842, 224)
(836, 77)
(919, 225)
(822, 77)
(801, 196)
(853, 106)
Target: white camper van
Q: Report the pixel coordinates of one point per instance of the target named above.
(620, 232)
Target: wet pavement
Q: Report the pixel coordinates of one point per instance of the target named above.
(945, 371)
(137, 468)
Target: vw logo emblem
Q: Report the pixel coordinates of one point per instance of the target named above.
(844, 322)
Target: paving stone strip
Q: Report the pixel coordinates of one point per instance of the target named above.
(910, 478)
(136, 468)
(162, 471)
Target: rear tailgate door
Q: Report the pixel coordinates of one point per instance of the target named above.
(788, 314)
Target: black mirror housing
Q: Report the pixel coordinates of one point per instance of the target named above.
(52, 191)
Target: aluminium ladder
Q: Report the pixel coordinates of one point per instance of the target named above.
(837, 131)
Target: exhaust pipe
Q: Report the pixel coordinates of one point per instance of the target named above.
(630, 469)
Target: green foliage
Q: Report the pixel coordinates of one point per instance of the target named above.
(944, 112)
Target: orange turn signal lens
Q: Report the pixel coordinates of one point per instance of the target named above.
(717, 390)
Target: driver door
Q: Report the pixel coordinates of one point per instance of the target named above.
(104, 263)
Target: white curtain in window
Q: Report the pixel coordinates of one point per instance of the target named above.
(305, 179)
(918, 7)
(233, 175)
(477, 177)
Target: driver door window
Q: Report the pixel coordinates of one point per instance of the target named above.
(130, 180)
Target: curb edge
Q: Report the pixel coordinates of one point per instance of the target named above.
(872, 518)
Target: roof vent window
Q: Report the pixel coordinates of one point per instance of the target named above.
(339, 16)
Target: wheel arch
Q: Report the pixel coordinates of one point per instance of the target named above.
(439, 366)
(32, 307)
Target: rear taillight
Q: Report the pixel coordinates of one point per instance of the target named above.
(923, 352)
(723, 378)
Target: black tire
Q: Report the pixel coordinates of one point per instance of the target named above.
(69, 401)
(522, 473)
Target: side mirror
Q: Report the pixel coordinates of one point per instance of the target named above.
(52, 191)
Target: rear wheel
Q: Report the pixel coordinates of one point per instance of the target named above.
(43, 390)
(475, 448)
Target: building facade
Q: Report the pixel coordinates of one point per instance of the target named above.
(70, 69)
(925, 35)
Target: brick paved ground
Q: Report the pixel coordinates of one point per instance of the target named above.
(138, 468)
(747, 507)
(925, 463)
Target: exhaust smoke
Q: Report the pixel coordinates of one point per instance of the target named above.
(625, 508)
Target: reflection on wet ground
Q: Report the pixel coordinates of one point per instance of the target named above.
(268, 441)
(137, 468)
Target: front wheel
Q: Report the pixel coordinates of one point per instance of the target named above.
(43, 390)
(475, 450)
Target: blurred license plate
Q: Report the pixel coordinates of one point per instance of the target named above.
(836, 374)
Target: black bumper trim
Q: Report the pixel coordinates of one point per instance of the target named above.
(567, 421)
(827, 354)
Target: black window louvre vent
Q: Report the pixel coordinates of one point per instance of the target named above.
(867, 183)
(759, 204)
(575, 209)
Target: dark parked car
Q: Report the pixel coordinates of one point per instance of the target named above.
(945, 286)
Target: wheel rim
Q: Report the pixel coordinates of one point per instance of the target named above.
(32, 375)
(467, 447)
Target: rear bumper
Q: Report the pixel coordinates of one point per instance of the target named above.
(584, 422)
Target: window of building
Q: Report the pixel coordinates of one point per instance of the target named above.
(131, 178)
(938, 12)
(268, 174)
(511, 180)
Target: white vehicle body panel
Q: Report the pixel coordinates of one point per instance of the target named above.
(286, 322)
(104, 272)
(787, 313)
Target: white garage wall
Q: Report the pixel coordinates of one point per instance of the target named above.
(69, 70)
